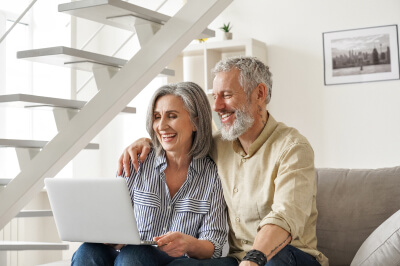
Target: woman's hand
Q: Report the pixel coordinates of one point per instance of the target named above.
(141, 146)
(177, 244)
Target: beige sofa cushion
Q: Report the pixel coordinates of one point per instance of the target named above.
(351, 205)
(382, 247)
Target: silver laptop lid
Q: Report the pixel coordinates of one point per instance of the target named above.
(93, 210)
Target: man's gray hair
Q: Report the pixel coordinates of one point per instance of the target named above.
(252, 73)
(196, 103)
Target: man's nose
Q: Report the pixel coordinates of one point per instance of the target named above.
(218, 103)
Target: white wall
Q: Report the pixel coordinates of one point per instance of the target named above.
(353, 125)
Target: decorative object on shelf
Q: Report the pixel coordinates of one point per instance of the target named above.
(361, 55)
(202, 40)
(226, 29)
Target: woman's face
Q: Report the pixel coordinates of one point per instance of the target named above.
(172, 124)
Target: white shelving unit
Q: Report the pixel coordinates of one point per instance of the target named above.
(197, 60)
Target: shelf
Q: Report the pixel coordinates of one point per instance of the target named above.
(118, 14)
(30, 101)
(76, 59)
(23, 245)
(20, 143)
(245, 47)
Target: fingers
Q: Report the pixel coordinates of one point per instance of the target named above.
(142, 147)
(145, 151)
(130, 154)
(120, 164)
(164, 241)
(169, 238)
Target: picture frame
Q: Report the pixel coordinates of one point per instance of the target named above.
(361, 55)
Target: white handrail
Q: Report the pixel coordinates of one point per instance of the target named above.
(17, 21)
(113, 54)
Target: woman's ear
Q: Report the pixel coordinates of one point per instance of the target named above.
(194, 129)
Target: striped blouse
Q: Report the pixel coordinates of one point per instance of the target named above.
(197, 209)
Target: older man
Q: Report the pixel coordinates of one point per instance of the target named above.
(266, 168)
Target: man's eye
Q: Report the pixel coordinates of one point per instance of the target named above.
(157, 117)
(172, 116)
(226, 96)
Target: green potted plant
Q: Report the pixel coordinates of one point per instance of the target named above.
(226, 30)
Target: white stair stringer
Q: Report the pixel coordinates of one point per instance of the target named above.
(115, 94)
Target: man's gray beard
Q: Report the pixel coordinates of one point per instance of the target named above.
(243, 121)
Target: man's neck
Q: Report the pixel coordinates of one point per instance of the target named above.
(252, 133)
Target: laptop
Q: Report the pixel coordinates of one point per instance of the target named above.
(93, 210)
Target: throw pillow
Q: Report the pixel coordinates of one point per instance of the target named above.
(382, 247)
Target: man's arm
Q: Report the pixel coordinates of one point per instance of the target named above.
(293, 200)
(269, 240)
(141, 146)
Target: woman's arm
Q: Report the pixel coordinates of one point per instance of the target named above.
(214, 227)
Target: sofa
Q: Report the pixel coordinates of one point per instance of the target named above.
(359, 216)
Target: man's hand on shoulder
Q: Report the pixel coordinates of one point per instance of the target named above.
(141, 146)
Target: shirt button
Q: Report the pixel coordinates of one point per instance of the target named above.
(168, 207)
(243, 160)
(235, 189)
(165, 229)
(244, 241)
(237, 219)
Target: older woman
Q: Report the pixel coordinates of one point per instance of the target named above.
(176, 193)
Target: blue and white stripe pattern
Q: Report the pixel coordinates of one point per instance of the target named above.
(197, 209)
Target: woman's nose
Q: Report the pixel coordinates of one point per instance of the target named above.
(163, 124)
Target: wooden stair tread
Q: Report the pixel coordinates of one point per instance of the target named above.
(117, 13)
(28, 101)
(27, 245)
(34, 213)
(76, 59)
(22, 143)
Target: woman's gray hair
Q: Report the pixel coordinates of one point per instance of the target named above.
(196, 103)
(252, 73)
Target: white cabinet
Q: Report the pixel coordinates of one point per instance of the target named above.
(196, 61)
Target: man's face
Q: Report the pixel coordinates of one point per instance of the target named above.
(232, 105)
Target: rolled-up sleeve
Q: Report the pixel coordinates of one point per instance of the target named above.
(214, 225)
(295, 188)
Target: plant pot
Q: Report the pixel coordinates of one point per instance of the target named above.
(227, 36)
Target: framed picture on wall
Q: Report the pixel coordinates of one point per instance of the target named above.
(361, 55)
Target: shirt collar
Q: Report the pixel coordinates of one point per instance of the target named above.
(261, 139)
(161, 163)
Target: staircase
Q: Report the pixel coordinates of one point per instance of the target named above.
(118, 81)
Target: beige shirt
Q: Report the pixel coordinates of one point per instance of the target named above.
(273, 184)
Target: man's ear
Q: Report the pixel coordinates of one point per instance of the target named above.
(262, 92)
